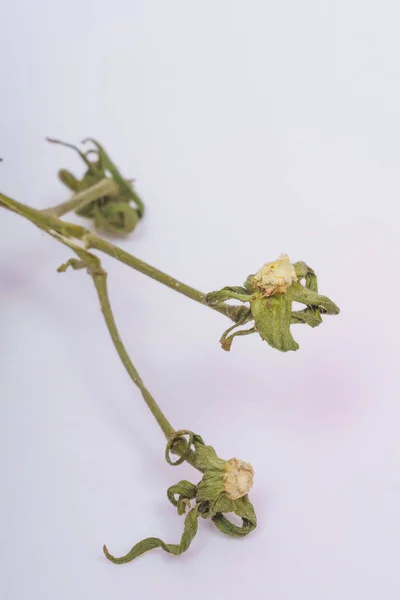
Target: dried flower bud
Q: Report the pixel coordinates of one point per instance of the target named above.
(270, 295)
(223, 489)
(275, 277)
(238, 478)
(119, 210)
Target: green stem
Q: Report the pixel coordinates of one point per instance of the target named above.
(93, 241)
(46, 220)
(99, 277)
(43, 219)
(100, 282)
(49, 224)
(105, 187)
(62, 231)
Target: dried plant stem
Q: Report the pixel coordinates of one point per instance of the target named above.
(70, 235)
(46, 220)
(93, 241)
(105, 187)
(100, 282)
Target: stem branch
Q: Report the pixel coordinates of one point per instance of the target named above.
(93, 241)
(100, 282)
(105, 187)
(47, 221)
(66, 233)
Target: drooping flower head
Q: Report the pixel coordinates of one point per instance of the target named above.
(117, 211)
(223, 489)
(270, 294)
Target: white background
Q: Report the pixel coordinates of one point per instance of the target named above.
(252, 128)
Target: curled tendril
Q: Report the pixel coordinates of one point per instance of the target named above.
(272, 316)
(117, 212)
(192, 448)
(179, 436)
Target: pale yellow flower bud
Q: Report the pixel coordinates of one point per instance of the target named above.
(238, 478)
(275, 277)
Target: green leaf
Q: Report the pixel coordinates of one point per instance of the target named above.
(185, 491)
(226, 340)
(223, 504)
(309, 316)
(245, 510)
(189, 532)
(207, 459)
(303, 271)
(211, 486)
(69, 180)
(272, 318)
(117, 217)
(83, 156)
(299, 293)
(227, 293)
(74, 263)
(116, 175)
